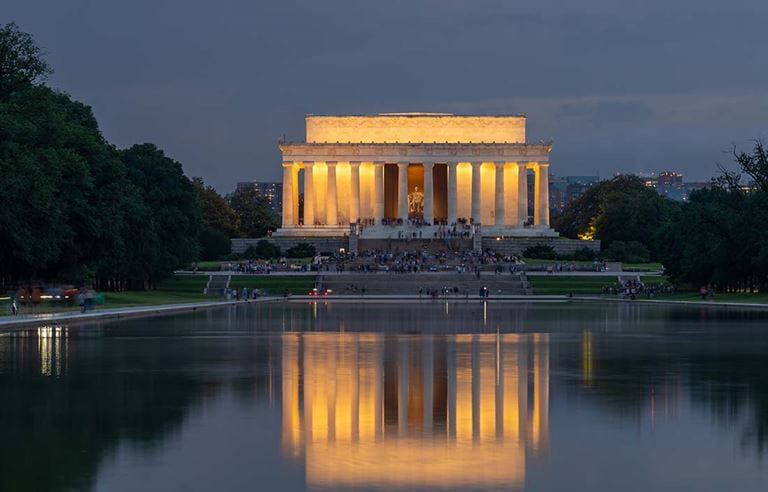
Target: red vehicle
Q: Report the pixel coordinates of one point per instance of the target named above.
(319, 293)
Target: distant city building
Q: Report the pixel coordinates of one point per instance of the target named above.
(564, 189)
(669, 178)
(272, 191)
(670, 184)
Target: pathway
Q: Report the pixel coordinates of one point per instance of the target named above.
(99, 314)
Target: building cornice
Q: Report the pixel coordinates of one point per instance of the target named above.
(415, 152)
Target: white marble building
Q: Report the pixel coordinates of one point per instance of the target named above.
(393, 174)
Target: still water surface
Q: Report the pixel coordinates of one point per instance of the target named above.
(468, 396)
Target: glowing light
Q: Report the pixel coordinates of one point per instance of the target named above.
(590, 233)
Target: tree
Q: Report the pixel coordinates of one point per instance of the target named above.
(629, 251)
(256, 215)
(620, 209)
(21, 64)
(217, 213)
(720, 237)
(174, 222)
(754, 165)
(221, 221)
(214, 244)
(51, 154)
(75, 209)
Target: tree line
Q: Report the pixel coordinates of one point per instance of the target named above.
(74, 208)
(716, 238)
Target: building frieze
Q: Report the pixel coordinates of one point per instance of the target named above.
(438, 151)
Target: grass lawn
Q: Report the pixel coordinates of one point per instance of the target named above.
(564, 285)
(537, 261)
(274, 284)
(654, 279)
(178, 289)
(630, 267)
(208, 266)
(642, 267)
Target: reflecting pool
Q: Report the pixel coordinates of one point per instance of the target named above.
(377, 396)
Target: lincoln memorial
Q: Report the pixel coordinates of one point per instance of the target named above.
(392, 174)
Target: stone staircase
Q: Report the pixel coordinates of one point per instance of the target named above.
(216, 283)
(410, 283)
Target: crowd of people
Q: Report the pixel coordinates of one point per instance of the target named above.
(462, 228)
(595, 266)
(242, 294)
(265, 267)
(634, 287)
(375, 260)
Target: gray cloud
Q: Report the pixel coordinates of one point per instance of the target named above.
(618, 86)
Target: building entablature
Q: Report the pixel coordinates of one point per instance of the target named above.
(415, 152)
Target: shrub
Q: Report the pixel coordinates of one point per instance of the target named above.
(266, 249)
(629, 252)
(301, 250)
(214, 244)
(540, 252)
(584, 254)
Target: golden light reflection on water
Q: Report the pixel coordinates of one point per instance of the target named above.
(52, 344)
(587, 358)
(414, 411)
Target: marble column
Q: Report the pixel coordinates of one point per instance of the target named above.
(402, 191)
(378, 192)
(295, 192)
(510, 194)
(541, 187)
(288, 219)
(429, 193)
(476, 191)
(331, 208)
(522, 193)
(452, 192)
(499, 205)
(309, 195)
(354, 191)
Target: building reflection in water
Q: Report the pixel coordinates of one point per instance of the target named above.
(52, 344)
(414, 411)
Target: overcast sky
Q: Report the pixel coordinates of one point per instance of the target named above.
(618, 85)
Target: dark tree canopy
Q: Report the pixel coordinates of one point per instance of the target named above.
(621, 209)
(256, 215)
(175, 220)
(720, 237)
(75, 209)
(217, 213)
(21, 63)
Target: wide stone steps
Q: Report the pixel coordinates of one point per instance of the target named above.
(409, 284)
(216, 283)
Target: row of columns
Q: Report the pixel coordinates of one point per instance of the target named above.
(541, 193)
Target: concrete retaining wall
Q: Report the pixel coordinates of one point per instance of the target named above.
(321, 244)
(516, 245)
(505, 246)
(415, 244)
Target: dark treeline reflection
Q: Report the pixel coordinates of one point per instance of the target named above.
(382, 377)
(68, 398)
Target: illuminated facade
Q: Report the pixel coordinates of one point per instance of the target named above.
(370, 171)
(440, 412)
